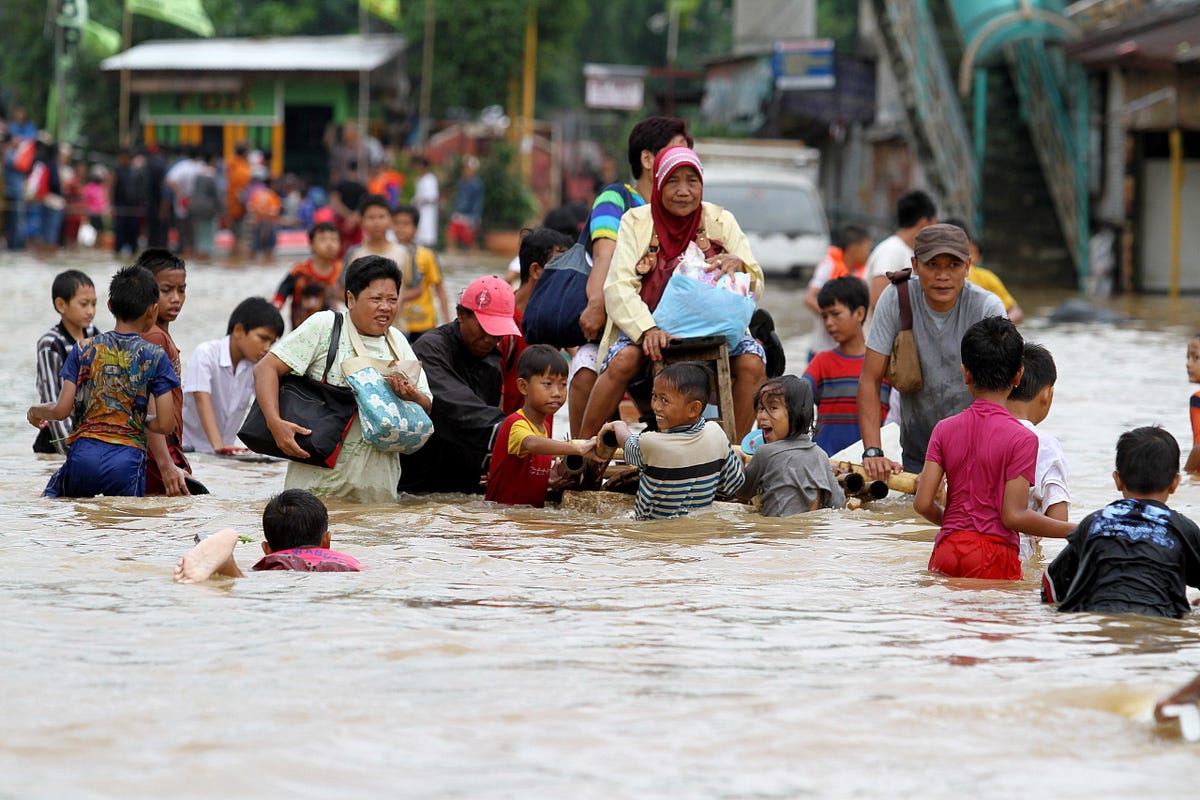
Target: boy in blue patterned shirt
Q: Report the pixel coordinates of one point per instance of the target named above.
(123, 387)
(688, 460)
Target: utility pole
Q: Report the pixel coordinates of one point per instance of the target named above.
(424, 113)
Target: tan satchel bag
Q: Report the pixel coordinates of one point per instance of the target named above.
(904, 367)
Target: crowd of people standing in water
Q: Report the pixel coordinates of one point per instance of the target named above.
(971, 391)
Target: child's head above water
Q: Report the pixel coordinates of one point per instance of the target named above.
(295, 518)
(680, 393)
(783, 407)
(542, 379)
(253, 327)
(170, 273)
(131, 293)
(1147, 462)
(992, 351)
(1035, 392)
(1193, 359)
(843, 302)
(74, 297)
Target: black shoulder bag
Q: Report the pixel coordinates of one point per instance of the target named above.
(323, 408)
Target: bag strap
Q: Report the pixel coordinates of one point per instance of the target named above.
(899, 279)
(360, 349)
(334, 336)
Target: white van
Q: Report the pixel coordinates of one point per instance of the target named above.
(780, 212)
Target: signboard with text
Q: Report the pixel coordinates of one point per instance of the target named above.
(804, 64)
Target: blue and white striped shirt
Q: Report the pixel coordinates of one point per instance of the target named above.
(682, 469)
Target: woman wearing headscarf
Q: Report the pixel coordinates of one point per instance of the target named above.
(651, 242)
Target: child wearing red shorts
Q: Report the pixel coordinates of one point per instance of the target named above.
(988, 459)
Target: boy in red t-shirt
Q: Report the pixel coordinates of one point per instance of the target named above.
(988, 459)
(519, 473)
(312, 284)
(833, 374)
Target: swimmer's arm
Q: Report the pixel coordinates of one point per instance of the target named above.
(208, 420)
(545, 446)
(925, 501)
(60, 409)
(1193, 460)
(1016, 514)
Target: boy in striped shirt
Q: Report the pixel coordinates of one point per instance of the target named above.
(688, 460)
(833, 374)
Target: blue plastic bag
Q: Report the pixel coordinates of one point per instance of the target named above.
(693, 308)
(388, 423)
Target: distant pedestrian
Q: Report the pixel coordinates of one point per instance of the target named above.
(467, 211)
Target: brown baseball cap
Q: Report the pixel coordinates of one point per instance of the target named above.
(934, 240)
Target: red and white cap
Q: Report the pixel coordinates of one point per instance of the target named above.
(492, 300)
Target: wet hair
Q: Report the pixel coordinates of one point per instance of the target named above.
(1147, 459)
(653, 134)
(992, 351)
(294, 518)
(912, 207)
(567, 219)
(256, 312)
(372, 200)
(364, 271)
(1040, 372)
(66, 284)
(797, 398)
(691, 379)
(322, 227)
(850, 235)
(539, 359)
(410, 211)
(131, 292)
(537, 245)
(849, 291)
(157, 259)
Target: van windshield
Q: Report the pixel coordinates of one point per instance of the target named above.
(769, 208)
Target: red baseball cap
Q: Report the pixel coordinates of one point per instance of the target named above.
(492, 300)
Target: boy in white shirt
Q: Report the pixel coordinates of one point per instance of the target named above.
(220, 378)
(1030, 403)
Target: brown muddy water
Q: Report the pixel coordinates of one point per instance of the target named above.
(492, 652)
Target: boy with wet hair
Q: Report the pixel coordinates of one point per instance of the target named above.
(74, 298)
(1030, 402)
(988, 459)
(524, 450)
(376, 220)
(120, 388)
(688, 460)
(833, 374)
(1135, 555)
(296, 528)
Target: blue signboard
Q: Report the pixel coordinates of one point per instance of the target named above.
(803, 64)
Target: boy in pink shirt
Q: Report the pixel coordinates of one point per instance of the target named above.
(988, 459)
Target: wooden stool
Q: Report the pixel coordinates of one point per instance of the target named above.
(714, 352)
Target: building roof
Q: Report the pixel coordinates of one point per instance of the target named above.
(267, 54)
(1155, 40)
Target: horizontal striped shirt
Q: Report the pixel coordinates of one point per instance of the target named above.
(682, 469)
(833, 376)
(607, 209)
(52, 351)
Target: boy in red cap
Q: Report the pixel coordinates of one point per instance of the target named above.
(462, 362)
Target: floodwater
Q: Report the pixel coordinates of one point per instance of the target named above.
(492, 652)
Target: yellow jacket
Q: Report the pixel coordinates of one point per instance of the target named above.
(622, 299)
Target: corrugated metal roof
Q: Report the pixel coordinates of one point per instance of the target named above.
(281, 54)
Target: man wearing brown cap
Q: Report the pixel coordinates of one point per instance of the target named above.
(944, 305)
